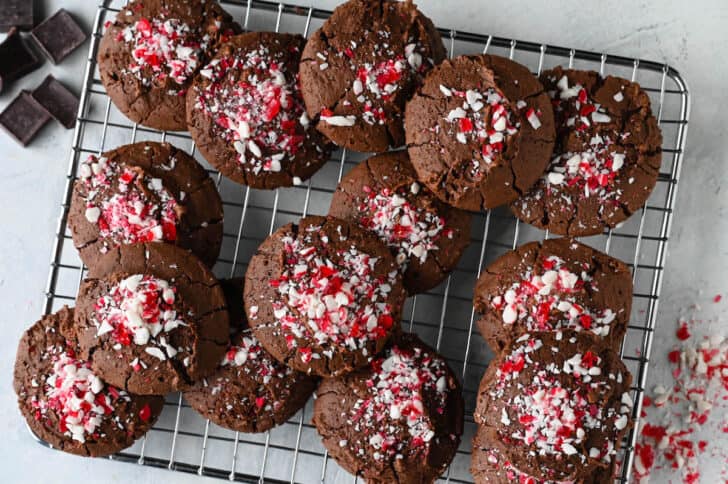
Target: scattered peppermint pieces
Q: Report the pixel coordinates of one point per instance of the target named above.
(140, 310)
(412, 231)
(547, 299)
(76, 400)
(261, 113)
(126, 204)
(404, 382)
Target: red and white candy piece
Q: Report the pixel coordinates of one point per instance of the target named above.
(409, 229)
(547, 301)
(397, 390)
(118, 202)
(140, 310)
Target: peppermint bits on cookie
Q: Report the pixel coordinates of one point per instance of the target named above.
(480, 131)
(152, 50)
(426, 236)
(246, 113)
(64, 400)
(153, 318)
(360, 68)
(557, 405)
(323, 296)
(399, 419)
(550, 286)
(607, 155)
(144, 192)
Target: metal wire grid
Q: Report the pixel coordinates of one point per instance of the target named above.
(444, 317)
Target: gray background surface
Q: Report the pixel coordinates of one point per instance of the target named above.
(689, 35)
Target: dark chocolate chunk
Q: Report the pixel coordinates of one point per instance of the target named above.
(59, 35)
(55, 98)
(16, 13)
(23, 118)
(16, 59)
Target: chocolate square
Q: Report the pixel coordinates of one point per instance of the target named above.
(23, 118)
(59, 35)
(57, 100)
(16, 13)
(16, 59)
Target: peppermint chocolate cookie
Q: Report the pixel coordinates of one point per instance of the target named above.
(426, 236)
(250, 391)
(323, 296)
(360, 68)
(145, 192)
(607, 156)
(65, 402)
(397, 420)
(557, 405)
(151, 318)
(490, 465)
(553, 285)
(480, 131)
(150, 53)
(246, 114)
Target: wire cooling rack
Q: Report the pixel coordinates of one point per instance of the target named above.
(184, 441)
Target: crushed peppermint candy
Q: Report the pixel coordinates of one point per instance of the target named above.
(505, 468)
(545, 299)
(126, 204)
(261, 114)
(376, 85)
(678, 421)
(552, 408)
(76, 400)
(248, 352)
(411, 230)
(140, 310)
(164, 48)
(333, 299)
(404, 383)
(484, 118)
(593, 171)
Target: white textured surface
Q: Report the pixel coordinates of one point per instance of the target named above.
(689, 35)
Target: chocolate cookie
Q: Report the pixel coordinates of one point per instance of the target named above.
(64, 401)
(250, 391)
(480, 131)
(150, 53)
(145, 192)
(246, 114)
(397, 420)
(426, 236)
(558, 404)
(360, 68)
(490, 464)
(323, 296)
(151, 318)
(554, 285)
(607, 156)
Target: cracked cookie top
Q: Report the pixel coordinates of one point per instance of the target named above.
(607, 156)
(151, 318)
(152, 50)
(557, 403)
(397, 420)
(246, 113)
(554, 285)
(144, 192)
(250, 391)
(323, 296)
(480, 131)
(360, 68)
(66, 403)
(426, 237)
